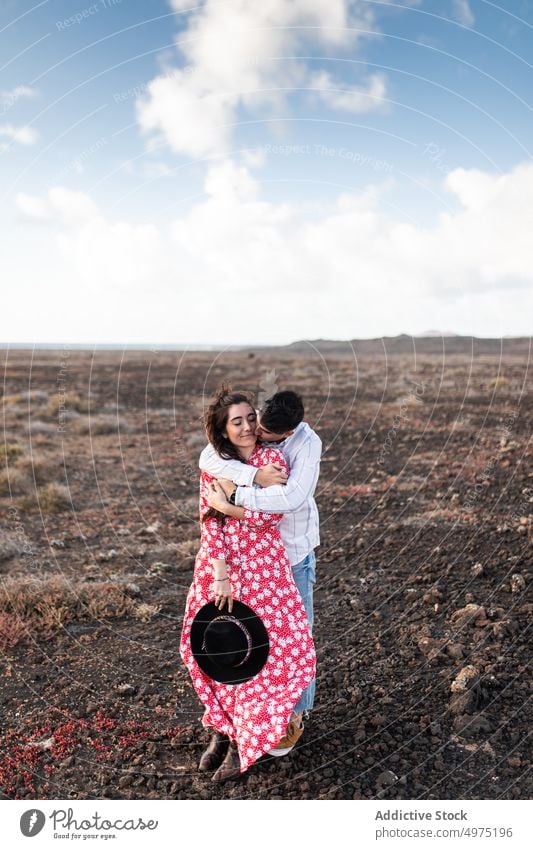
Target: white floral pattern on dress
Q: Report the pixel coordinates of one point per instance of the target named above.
(254, 714)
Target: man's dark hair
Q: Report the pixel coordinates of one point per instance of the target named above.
(283, 412)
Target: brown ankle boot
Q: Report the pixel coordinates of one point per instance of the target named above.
(214, 753)
(230, 767)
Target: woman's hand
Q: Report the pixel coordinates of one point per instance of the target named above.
(227, 485)
(216, 497)
(221, 584)
(223, 592)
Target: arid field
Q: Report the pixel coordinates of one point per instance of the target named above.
(422, 603)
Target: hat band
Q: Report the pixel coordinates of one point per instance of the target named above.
(244, 630)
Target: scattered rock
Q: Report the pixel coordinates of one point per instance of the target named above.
(464, 688)
(386, 779)
(432, 595)
(455, 651)
(431, 648)
(159, 568)
(126, 690)
(464, 680)
(470, 726)
(477, 570)
(104, 556)
(355, 695)
(469, 615)
(149, 529)
(518, 583)
(42, 745)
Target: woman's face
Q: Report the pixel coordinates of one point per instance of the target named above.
(240, 426)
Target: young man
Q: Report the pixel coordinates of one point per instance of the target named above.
(281, 422)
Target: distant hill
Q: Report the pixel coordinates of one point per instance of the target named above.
(432, 343)
(404, 344)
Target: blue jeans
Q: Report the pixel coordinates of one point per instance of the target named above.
(304, 577)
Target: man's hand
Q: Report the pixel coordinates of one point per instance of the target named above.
(227, 486)
(270, 475)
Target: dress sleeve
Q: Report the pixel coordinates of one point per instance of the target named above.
(258, 517)
(234, 470)
(213, 541)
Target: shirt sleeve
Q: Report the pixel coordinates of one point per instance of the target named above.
(213, 541)
(233, 470)
(299, 488)
(267, 517)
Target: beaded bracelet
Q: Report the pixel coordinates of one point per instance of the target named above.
(220, 580)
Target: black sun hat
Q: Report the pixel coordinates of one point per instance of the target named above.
(229, 647)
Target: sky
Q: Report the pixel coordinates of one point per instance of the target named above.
(234, 172)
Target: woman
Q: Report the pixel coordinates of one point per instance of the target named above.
(242, 557)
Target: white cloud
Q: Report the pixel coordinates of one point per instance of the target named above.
(15, 93)
(20, 135)
(352, 271)
(244, 58)
(463, 13)
(61, 205)
(188, 5)
(32, 207)
(369, 98)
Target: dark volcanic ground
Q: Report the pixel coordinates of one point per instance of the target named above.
(423, 607)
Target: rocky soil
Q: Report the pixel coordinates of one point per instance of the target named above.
(423, 603)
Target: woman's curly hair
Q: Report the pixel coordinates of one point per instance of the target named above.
(216, 419)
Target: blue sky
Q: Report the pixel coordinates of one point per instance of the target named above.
(366, 166)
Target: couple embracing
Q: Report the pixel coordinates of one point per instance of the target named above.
(246, 637)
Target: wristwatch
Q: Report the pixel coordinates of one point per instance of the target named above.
(231, 499)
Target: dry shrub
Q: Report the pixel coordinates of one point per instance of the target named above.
(36, 468)
(34, 396)
(70, 401)
(14, 411)
(37, 426)
(145, 612)
(7, 400)
(51, 498)
(42, 439)
(14, 482)
(12, 630)
(111, 601)
(10, 450)
(10, 547)
(188, 548)
(46, 604)
(102, 425)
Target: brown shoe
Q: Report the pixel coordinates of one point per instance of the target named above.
(230, 767)
(288, 741)
(212, 757)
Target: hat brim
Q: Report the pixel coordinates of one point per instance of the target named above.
(260, 644)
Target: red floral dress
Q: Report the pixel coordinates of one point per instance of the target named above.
(255, 713)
